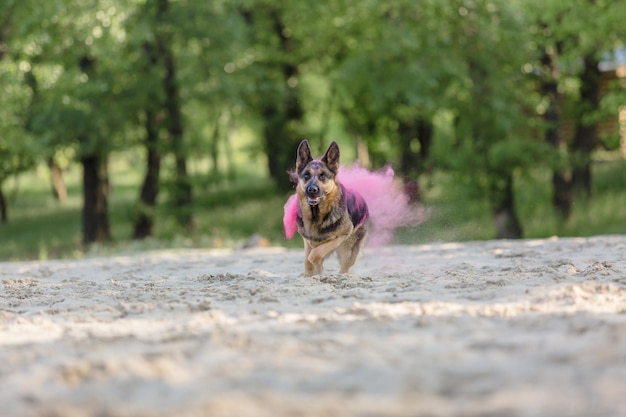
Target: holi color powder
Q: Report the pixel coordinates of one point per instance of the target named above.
(291, 216)
(388, 204)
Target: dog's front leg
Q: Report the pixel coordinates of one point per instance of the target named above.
(316, 255)
(310, 268)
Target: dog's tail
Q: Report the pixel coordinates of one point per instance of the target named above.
(388, 204)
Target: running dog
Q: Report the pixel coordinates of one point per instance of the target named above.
(330, 217)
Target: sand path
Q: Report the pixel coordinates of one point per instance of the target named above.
(496, 328)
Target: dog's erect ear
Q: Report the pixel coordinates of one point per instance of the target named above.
(304, 155)
(331, 157)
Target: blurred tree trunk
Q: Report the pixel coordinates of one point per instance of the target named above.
(144, 224)
(283, 130)
(281, 111)
(561, 177)
(59, 191)
(407, 132)
(163, 117)
(4, 215)
(362, 151)
(183, 196)
(425, 138)
(279, 146)
(214, 151)
(585, 136)
(5, 29)
(230, 137)
(95, 177)
(420, 130)
(414, 163)
(506, 219)
(357, 133)
(95, 194)
(182, 190)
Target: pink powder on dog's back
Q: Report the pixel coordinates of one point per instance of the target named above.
(387, 203)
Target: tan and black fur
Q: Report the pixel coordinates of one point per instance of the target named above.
(330, 217)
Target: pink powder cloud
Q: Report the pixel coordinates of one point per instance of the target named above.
(388, 204)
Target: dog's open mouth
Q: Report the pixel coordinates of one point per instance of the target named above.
(313, 200)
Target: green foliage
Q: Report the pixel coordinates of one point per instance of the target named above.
(17, 147)
(518, 154)
(254, 77)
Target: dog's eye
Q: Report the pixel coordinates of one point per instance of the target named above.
(306, 176)
(322, 177)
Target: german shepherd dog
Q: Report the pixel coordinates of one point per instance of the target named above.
(330, 217)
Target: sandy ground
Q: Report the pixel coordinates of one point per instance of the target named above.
(497, 328)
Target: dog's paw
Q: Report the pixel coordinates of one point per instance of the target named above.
(310, 272)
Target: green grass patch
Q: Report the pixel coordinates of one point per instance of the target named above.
(456, 215)
(604, 213)
(226, 215)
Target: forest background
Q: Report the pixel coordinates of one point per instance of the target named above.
(148, 123)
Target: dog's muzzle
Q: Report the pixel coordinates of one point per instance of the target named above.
(313, 195)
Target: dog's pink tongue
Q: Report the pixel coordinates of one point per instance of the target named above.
(290, 218)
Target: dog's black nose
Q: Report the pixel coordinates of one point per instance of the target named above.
(312, 189)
